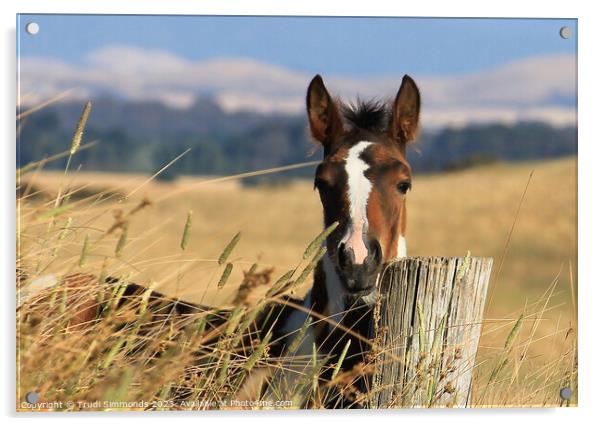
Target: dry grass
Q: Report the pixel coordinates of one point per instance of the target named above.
(140, 238)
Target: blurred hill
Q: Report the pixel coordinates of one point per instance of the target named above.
(538, 88)
(142, 136)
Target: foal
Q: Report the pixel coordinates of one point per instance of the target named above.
(362, 180)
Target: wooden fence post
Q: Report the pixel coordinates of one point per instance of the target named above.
(428, 323)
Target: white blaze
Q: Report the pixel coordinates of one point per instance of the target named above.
(359, 191)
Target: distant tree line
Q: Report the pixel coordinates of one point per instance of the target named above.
(453, 148)
(144, 136)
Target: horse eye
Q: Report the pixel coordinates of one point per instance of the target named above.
(404, 187)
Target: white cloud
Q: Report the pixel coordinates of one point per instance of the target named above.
(527, 89)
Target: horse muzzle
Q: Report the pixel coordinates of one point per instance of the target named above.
(359, 279)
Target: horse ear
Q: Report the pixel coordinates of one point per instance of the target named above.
(406, 111)
(325, 121)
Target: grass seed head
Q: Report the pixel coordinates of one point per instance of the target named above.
(225, 275)
(186, 233)
(226, 253)
(79, 130)
(317, 242)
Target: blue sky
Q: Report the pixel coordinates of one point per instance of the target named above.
(354, 47)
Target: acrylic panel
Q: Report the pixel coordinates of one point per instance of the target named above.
(225, 213)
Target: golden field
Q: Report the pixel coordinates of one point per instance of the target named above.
(448, 214)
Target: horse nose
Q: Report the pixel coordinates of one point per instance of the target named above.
(346, 256)
(375, 256)
(371, 262)
(359, 277)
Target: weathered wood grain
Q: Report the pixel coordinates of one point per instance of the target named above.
(428, 325)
